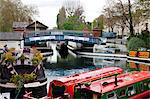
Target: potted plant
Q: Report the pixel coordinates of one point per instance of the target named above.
(29, 77)
(8, 58)
(22, 58)
(37, 58)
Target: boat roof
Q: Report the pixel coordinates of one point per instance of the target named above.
(122, 80)
(94, 74)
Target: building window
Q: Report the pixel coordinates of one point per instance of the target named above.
(111, 96)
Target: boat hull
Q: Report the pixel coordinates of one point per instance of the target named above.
(38, 91)
(144, 95)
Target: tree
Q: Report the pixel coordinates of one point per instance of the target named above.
(61, 17)
(73, 8)
(110, 18)
(70, 16)
(120, 13)
(130, 19)
(72, 23)
(121, 16)
(99, 22)
(145, 6)
(14, 10)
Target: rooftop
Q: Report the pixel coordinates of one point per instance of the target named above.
(122, 80)
(10, 36)
(20, 24)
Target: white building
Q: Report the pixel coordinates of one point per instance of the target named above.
(12, 40)
(137, 28)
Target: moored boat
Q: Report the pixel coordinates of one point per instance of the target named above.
(133, 85)
(65, 86)
(23, 73)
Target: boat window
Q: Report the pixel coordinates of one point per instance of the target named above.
(57, 90)
(111, 96)
(122, 93)
(141, 87)
(131, 91)
(84, 94)
(149, 84)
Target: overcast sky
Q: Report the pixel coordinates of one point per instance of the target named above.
(48, 9)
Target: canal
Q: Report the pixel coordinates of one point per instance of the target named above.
(59, 67)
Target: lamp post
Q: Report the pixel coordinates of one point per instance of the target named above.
(35, 26)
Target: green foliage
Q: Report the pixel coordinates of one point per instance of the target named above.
(16, 79)
(73, 23)
(68, 25)
(135, 43)
(145, 36)
(99, 22)
(8, 57)
(70, 16)
(23, 57)
(37, 58)
(29, 77)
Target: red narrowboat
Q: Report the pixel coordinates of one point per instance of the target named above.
(133, 85)
(65, 86)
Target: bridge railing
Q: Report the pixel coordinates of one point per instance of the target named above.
(64, 38)
(55, 32)
(60, 35)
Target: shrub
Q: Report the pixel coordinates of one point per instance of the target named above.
(16, 78)
(147, 41)
(135, 43)
(29, 77)
(8, 57)
(37, 58)
(23, 78)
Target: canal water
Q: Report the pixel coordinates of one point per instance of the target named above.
(72, 64)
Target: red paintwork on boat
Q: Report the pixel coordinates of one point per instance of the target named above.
(70, 81)
(122, 81)
(141, 95)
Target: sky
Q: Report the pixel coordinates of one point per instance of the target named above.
(48, 9)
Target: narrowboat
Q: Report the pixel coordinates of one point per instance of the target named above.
(66, 85)
(22, 73)
(133, 85)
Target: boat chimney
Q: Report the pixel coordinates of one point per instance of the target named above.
(116, 79)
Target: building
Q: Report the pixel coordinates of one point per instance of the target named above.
(138, 28)
(12, 40)
(20, 26)
(26, 26)
(36, 26)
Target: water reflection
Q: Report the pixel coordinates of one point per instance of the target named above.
(59, 67)
(73, 65)
(138, 66)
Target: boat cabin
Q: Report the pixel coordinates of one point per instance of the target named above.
(134, 85)
(66, 85)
